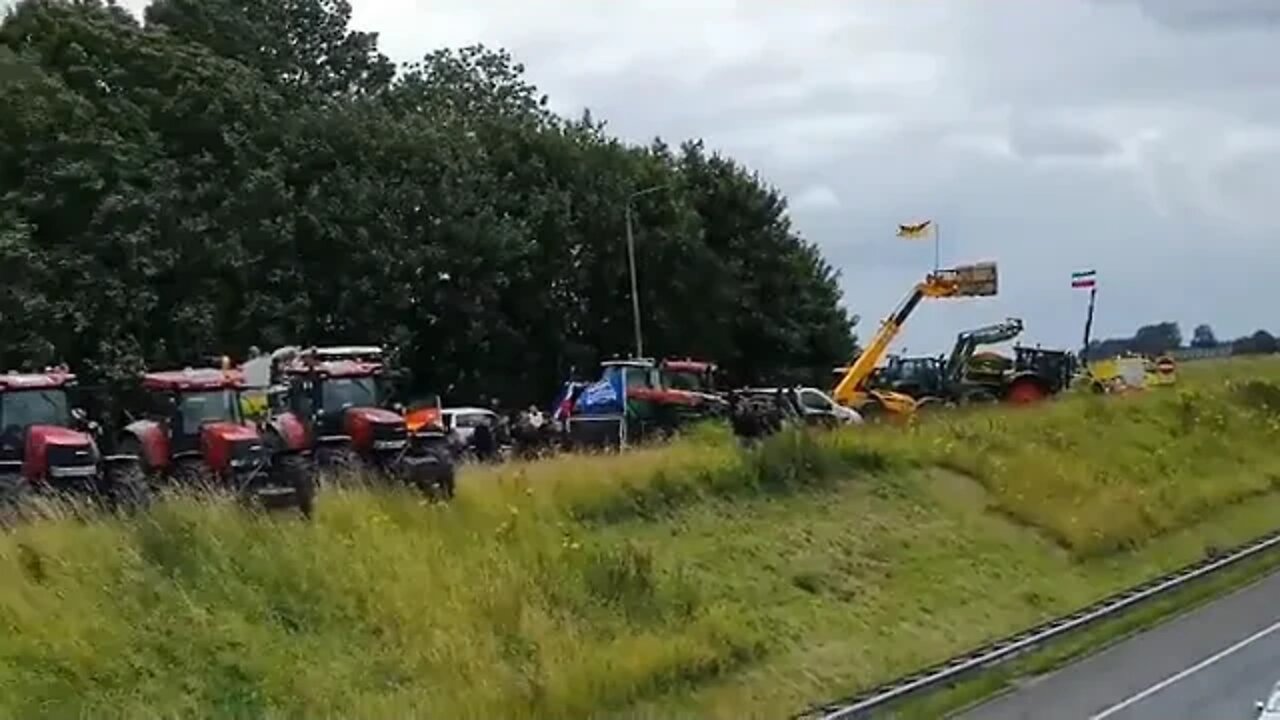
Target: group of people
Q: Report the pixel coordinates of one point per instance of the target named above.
(526, 432)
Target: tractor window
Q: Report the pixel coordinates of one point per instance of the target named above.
(301, 398)
(637, 379)
(682, 380)
(814, 401)
(20, 409)
(338, 394)
(915, 368)
(200, 408)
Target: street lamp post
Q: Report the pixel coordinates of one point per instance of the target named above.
(631, 264)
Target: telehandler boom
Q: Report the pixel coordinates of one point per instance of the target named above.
(977, 280)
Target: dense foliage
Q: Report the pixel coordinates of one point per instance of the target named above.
(228, 173)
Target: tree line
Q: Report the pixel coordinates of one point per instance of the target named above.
(1163, 337)
(221, 174)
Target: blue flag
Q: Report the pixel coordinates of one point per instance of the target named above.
(605, 397)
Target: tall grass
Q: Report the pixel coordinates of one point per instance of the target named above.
(662, 582)
(1101, 474)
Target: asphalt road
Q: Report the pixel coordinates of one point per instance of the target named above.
(1211, 664)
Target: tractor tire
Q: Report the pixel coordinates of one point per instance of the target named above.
(16, 495)
(127, 490)
(1026, 392)
(930, 403)
(433, 474)
(193, 476)
(298, 472)
(340, 466)
(978, 397)
(873, 411)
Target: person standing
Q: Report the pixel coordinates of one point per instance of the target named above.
(483, 441)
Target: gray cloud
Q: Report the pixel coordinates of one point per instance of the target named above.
(1210, 15)
(1048, 138)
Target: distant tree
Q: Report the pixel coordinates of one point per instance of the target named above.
(1156, 339)
(1261, 342)
(1203, 337)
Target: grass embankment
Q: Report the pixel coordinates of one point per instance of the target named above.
(695, 580)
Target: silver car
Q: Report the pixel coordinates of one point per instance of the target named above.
(463, 421)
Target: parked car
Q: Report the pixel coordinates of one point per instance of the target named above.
(463, 421)
(815, 402)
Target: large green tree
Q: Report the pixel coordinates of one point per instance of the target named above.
(240, 172)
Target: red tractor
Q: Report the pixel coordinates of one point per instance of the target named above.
(192, 431)
(336, 394)
(41, 452)
(698, 376)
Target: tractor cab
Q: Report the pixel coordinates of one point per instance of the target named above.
(336, 392)
(1051, 370)
(690, 375)
(189, 426)
(654, 404)
(37, 441)
(917, 376)
(195, 415)
(47, 445)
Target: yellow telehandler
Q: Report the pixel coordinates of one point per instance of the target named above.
(976, 280)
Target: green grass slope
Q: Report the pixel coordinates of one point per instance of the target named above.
(696, 580)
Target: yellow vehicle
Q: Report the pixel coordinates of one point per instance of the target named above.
(978, 280)
(1162, 371)
(1130, 372)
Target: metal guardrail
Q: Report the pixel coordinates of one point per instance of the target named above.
(995, 653)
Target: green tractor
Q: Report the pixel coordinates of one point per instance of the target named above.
(966, 377)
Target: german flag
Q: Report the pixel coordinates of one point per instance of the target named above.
(919, 230)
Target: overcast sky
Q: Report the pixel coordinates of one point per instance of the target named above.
(1137, 137)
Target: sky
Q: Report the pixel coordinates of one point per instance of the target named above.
(1140, 138)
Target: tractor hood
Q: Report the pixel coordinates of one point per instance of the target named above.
(223, 442)
(371, 415)
(227, 432)
(373, 428)
(55, 435)
(668, 396)
(51, 445)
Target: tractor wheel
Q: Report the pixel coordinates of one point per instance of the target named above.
(930, 403)
(16, 495)
(1026, 392)
(429, 471)
(194, 476)
(873, 411)
(339, 465)
(127, 490)
(440, 475)
(296, 471)
(978, 397)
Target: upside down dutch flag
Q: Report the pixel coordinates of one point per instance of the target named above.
(1084, 279)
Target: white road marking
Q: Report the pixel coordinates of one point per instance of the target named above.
(1179, 676)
